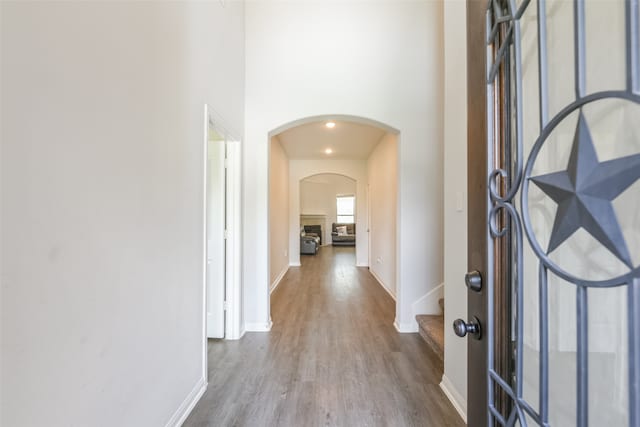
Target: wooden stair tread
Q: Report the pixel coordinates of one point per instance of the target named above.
(431, 328)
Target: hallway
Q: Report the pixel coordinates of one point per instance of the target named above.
(332, 358)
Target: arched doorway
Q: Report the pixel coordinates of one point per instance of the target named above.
(338, 145)
(327, 201)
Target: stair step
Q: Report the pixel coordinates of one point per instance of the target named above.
(432, 331)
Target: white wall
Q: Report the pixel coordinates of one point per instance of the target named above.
(382, 168)
(102, 204)
(379, 60)
(318, 196)
(356, 169)
(455, 196)
(278, 212)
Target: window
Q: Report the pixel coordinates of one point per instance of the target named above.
(346, 208)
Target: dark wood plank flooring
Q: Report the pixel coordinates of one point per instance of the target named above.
(332, 358)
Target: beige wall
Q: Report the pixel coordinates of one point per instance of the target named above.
(318, 196)
(300, 169)
(102, 216)
(455, 198)
(377, 60)
(278, 212)
(382, 169)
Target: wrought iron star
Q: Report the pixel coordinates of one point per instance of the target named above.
(584, 192)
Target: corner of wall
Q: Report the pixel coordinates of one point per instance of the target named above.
(278, 279)
(407, 327)
(258, 326)
(428, 303)
(380, 282)
(458, 402)
(183, 411)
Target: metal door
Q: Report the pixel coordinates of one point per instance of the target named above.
(554, 227)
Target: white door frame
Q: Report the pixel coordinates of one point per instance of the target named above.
(233, 318)
(233, 295)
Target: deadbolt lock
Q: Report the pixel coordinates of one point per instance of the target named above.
(473, 279)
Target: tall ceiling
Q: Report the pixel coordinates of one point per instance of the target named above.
(347, 140)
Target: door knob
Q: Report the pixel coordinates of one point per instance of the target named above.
(473, 279)
(462, 328)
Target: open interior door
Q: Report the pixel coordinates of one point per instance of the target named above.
(215, 225)
(553, 326)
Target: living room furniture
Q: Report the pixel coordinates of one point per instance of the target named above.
(309, 245)
(343, 234)
(314, 230)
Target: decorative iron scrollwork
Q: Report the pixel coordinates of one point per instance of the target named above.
(583, 194)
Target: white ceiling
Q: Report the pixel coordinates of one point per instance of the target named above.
(348, 140)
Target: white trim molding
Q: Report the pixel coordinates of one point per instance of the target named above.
(233, 237)
(258, 327)
(233, 240)
(185, 408)
(295, 264)
(375, 276)
(428, 303)
(276, 282)
(454, 396)
(406, 328)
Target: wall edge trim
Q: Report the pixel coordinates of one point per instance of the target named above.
(258, 327)
(454, 397)
(180, 415)
(406, 328)
(375, 276)
(276, 282)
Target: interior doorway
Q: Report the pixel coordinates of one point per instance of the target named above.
(306, 151)
(221, 241)
(328, 215)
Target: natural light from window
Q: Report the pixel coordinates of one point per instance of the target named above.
(346, 209)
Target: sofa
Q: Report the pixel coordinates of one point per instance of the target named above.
(314, 230)
(343, 239)
(309, 244)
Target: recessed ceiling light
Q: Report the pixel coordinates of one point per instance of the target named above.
(330, 125)
(328, 151)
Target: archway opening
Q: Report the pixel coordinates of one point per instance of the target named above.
(327, 213)
(317, 152)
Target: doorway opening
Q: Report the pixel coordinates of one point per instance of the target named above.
(334, 178)
(328, 215)
(221, 237)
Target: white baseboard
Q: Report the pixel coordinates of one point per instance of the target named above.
(183, 411)
(235, 337)
(428, 303)
(258, 327)
(295, 264)
(406, 328)
(456, 399)
(276, 282)
(362, 265)
(375, 276)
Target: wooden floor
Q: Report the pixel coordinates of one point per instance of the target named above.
(332, 358)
